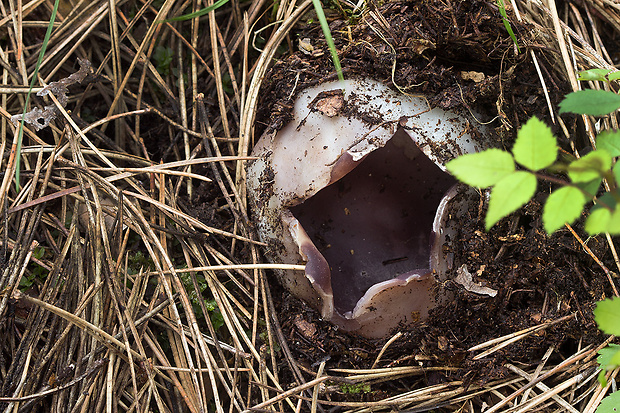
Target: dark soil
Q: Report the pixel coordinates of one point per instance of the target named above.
(431, 45)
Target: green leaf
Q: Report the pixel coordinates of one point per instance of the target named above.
(615, 359)
(590, 188)
(594, 74)
(605, 201)
(608, 359)
(163, 57)
(26, 282)
(535, 147)
(607, 316)
(613, 226)
(590, 102)
(616, 171)
(509, 194)
(601, 378)
(599, 219)
(482, 169)
(589, 167)
(606, 355)
(609, 141)
(38, 252)
(216, 317)
(609, 404)
(614, 76)
(602, 218)
(564, 205)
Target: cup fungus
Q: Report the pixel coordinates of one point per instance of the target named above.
(354, 187)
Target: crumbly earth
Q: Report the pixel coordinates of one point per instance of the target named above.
(457, 54)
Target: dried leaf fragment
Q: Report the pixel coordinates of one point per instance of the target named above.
(37, 118)
(464, 278)
(305, 46)
(40, 119)
(328, 103)
(477, 77)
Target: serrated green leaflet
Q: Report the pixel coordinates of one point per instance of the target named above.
(600, 216)
(482, 169)
(564, 205)
(590, 102)
(613, 227)
(594, 74)
(608, 359)
(535, 147)
(609, 404)
(614, 76)
(607, 354)
(615, 359)
(510, 194)
(589, 167)
(609, 141)
(607, 316)
(602, 220)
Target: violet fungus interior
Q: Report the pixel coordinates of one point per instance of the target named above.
(375, 223)
(355, 188)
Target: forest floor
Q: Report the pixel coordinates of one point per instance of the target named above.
(132, 276)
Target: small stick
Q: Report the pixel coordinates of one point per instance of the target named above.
(595, 258)
(385, 346)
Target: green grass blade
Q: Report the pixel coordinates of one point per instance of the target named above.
(328, 36)
(198, 13)
(502, 11)
(20, 134)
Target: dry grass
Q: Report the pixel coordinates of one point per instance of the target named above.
(102, 258)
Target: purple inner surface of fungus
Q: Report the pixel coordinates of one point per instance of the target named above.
(375, 223)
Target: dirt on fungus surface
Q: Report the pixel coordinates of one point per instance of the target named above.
(458, 54)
